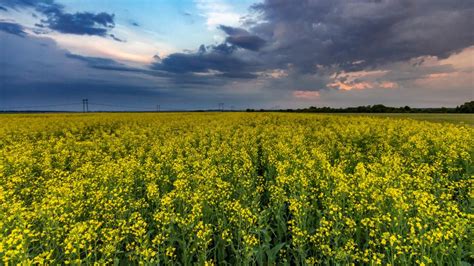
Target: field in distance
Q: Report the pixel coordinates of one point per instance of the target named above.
(466, 119)
(235, 188)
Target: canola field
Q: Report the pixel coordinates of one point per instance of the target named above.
(234, 189)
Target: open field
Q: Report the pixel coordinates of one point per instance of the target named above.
(460, 119)
(235, 188)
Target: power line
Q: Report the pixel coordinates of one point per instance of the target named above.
(121, 106)
(40, 106)
(85, 106)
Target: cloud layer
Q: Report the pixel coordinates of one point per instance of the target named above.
(341, 35)
(359, 34)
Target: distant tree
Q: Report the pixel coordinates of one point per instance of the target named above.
(378, 108)
(467, 107)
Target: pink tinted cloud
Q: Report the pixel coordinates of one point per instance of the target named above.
(388, 85)
(348, 86)
(306, 95)
(456, 78)
(460, 75)
(361, 80)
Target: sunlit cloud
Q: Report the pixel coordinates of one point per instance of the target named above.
(361, 80)
(456, 70)
(388, 85)
(138, 50)
(463, 59)
(346, 86)
(306, 95)
(217, 12)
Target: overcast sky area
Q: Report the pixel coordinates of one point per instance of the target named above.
(185, 55)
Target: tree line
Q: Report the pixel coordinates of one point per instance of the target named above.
(467, 107)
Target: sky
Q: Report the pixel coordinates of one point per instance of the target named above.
(272, 54)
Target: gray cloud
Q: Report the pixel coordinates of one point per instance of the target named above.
(12, 28)
(242, 38)
(81, 23)
(306, 33)
(104, 63)
(340, 35)
(218, 58)
(248, 42)
(221, 60)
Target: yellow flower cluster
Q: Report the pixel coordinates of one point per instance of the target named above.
(234, 188)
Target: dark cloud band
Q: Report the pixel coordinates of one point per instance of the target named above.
(81, 23)
(12, 28)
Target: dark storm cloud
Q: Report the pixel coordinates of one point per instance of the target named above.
(222, 48)
(248, 42)
(44, 6)
(212, 64)
(12, 28)
(340, 32)
(81, 23)
(242, 38)
(218, 58)
(340, 35)
(221, 60)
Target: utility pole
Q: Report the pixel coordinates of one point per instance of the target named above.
(85, 105)
(221, 107)
(158, 108)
